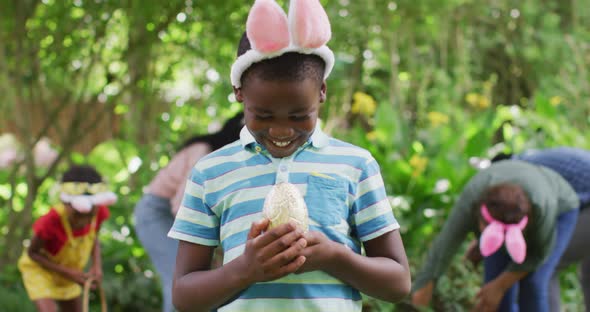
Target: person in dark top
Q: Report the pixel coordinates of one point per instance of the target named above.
(524, 215)
(573, 165)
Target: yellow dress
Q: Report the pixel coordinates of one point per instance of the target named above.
(45, 284)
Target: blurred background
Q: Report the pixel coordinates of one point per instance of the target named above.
(430, 87)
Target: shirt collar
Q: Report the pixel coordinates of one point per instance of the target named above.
(318, 138)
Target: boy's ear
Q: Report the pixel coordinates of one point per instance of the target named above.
(323, 90)
(238, 94)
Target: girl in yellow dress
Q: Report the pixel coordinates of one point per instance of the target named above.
(63, 240)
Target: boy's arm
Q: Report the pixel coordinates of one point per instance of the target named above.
(266, 257)
(384, 273)
(34, 252)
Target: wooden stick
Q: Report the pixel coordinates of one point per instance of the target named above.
(85, 303)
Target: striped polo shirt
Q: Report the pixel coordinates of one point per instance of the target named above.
(343, 190)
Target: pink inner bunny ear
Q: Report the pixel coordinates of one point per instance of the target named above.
(491, 239)
(310, 26)
(515, 243)
(267, 27)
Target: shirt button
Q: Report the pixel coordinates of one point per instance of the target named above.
(283, 168)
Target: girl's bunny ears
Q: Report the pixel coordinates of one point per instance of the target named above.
(498, 233)
(271, 33)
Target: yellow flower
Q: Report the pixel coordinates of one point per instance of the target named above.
(477, 100)
(483, 102)
(555, 101)
(363, 104)
(419, 164)
(472, 98)
(377, 136)
(436, 118)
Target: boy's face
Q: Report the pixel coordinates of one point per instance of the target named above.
(281, 115)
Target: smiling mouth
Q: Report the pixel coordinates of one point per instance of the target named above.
(281, 143)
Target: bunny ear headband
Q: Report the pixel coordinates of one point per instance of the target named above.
(75, 194)
(271, 33)
(497, 232)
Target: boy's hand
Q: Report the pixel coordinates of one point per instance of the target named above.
(273, 254)
(319, 252)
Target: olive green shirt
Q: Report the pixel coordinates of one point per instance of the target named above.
(550, 196)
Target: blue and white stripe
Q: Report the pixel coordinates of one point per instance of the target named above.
(344, 193)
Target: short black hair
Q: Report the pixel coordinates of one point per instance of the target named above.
(81, 173)
(291, 66)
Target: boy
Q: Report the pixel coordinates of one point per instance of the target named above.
(279, 77)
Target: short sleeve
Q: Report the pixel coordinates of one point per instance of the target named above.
(102, 214)
(195, 221)
(47, 226)
(181, 165)
(372, 214)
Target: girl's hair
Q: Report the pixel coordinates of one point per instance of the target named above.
(229, 133)
(291, 66)
(501, 156)
(506, 202)
(81, 173)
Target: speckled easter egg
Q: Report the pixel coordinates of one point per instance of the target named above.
(284, 203)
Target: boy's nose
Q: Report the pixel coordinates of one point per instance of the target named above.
(281, 132)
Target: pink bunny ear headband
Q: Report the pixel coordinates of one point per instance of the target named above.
(271, 33)
(497, 232)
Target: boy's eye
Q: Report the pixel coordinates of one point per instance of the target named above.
(299, 118)
(263, 117)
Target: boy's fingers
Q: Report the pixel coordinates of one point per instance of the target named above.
(293, 266)
(284, 258)
(274, 234)
(257, 228)
(282, 243)
(312, 237)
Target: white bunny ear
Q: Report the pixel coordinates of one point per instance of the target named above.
(270, 34)
(267, 27)
(310, 26)
(106, 199)
(82, 203)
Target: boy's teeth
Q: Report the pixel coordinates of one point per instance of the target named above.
(281, 144)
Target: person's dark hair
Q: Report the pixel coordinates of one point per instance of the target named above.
(291, 66)
(501, 156)
(81, 173)
(506, 202)
(229, 133)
